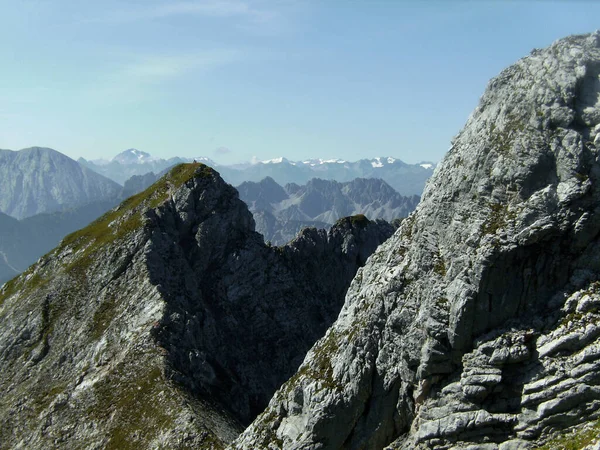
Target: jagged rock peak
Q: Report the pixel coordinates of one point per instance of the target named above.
(476, 324)
(166, 323)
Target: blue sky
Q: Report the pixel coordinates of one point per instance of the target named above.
(237, 79)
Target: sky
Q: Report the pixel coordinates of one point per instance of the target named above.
(237, 80)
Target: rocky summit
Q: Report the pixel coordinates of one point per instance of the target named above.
(477, 325)
(167, 322)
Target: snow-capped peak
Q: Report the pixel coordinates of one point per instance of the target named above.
(377, 162)
(133, 156)
(279, 160)
(319, 161)
(426, 165)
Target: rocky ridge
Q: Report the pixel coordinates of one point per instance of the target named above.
(167, 322)
(280, 212)
(477, 325)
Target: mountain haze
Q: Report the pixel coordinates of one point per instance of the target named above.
(22, 242)
(41, 180)
(407, 179)
(280, 212)
(134, 162)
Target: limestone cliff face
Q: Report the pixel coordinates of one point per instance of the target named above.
(478, 322)
(167, 322)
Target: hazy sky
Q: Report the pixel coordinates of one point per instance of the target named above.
(233, 79)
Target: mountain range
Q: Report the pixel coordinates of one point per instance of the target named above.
(41, 180)
(169, 323)
(317, 204)
(281, 212)
(162, 301)
(407, 179)
(134, 162)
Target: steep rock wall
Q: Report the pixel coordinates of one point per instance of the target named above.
(477, 322)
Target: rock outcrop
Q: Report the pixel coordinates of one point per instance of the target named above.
(477, 325)
(167, 322)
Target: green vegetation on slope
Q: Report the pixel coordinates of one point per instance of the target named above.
(112, 226)
(128, 214)
(358, 220)
(576, 440)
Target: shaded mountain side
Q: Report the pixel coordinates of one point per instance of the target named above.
(11, 260)
(477, 325)
(22, 242)
(167, 322)
(41, 180)
(281, 212)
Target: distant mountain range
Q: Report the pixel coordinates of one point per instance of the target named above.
(41, 180)
(133, 162)
(281, 212)
(406, 179)
(44, 195)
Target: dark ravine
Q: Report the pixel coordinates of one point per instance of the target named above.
(477, 325)
(167, 322)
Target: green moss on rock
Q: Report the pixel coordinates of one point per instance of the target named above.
(358, 220)
(576, 440)
(127, 217)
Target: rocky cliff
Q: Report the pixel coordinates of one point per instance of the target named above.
(167, 322)
(477, 325)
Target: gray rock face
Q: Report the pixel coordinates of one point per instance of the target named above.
(166, 323)
(41, 180)
(476, 324)
(281, 212)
